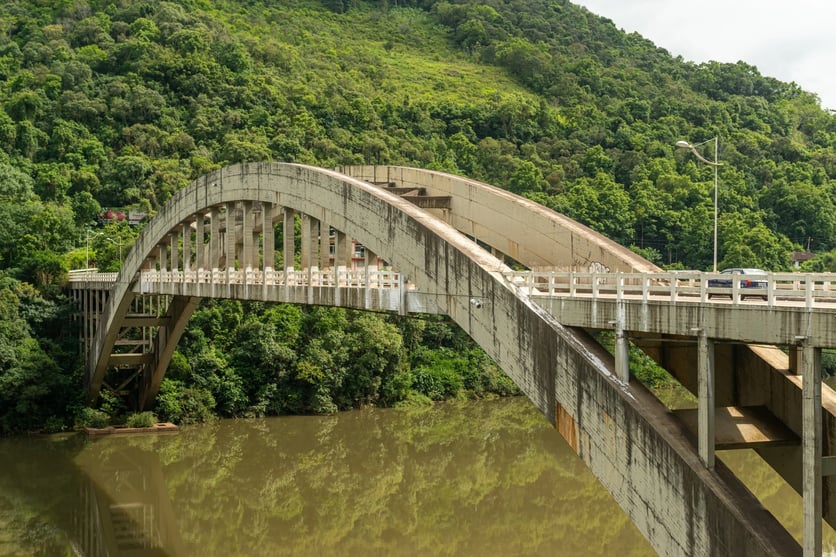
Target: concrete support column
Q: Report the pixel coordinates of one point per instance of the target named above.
(268, 250)
(88, 320)
(229, 238)
(342, 248)
(705, 411)
(324, 244)
(316, 244)
(215, 239)
(257, 226)
(199, 240)
(308, 241)
(289, 240)
(371, 260)
(371, 279)
(187, 245)
(247, 227)
(811, 446)
(622, 348)
(163, 259)
(174, 253)
(794, 351)
(349, 253)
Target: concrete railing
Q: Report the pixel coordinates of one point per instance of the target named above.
(342, 278)
(91, 275)
(811, 289)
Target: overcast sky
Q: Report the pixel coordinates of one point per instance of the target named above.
(789, 40)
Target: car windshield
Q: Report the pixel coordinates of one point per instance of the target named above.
(745, 271)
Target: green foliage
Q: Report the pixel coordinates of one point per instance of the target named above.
(33, 387)
(90, 417)
(184, 405)
(141, 419)
(121, 105)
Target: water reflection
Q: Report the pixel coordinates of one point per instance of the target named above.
(123, 507)
(458, 479)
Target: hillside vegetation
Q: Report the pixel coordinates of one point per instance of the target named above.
(119, 103)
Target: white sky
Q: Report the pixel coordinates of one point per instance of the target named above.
(791, 40)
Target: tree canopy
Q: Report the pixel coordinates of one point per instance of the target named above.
(118, 104)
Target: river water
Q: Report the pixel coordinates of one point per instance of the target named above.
(488, 478)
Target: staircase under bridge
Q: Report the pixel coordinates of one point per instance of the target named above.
(413, 241)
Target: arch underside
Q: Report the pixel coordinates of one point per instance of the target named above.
(619, 433)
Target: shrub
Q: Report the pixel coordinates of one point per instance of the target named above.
(142, 419)
(184, 405)
(54, 424)
(90, 417)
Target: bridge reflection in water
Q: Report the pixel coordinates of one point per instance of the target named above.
(123, 507)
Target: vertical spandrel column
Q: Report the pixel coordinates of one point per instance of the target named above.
(268, 255)
(247, 235)
(315, 232)
(174, 240)
(215, 239)
(229, 238)
(257, 230)
(187, 245)
(324, 244)
(289, 243)
(342, 251)
(307, 242)
(371, 279)
(163, 258)
(199, 242)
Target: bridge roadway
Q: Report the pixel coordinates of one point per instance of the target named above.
(215, 239)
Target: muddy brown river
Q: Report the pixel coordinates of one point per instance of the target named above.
(486, 478)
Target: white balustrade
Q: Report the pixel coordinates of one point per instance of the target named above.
(811, 289)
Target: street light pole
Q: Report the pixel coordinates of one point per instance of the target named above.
(87, 250)
(112, 241)
(715, 163)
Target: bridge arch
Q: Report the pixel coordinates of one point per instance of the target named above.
(623, 434)
(448, 267)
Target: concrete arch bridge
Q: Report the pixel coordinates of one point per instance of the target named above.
(433, 242)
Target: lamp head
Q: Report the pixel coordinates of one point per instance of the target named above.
(683, 144)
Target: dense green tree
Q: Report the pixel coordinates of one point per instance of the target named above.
(120, 104)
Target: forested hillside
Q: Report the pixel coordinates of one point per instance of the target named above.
(117, 104)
